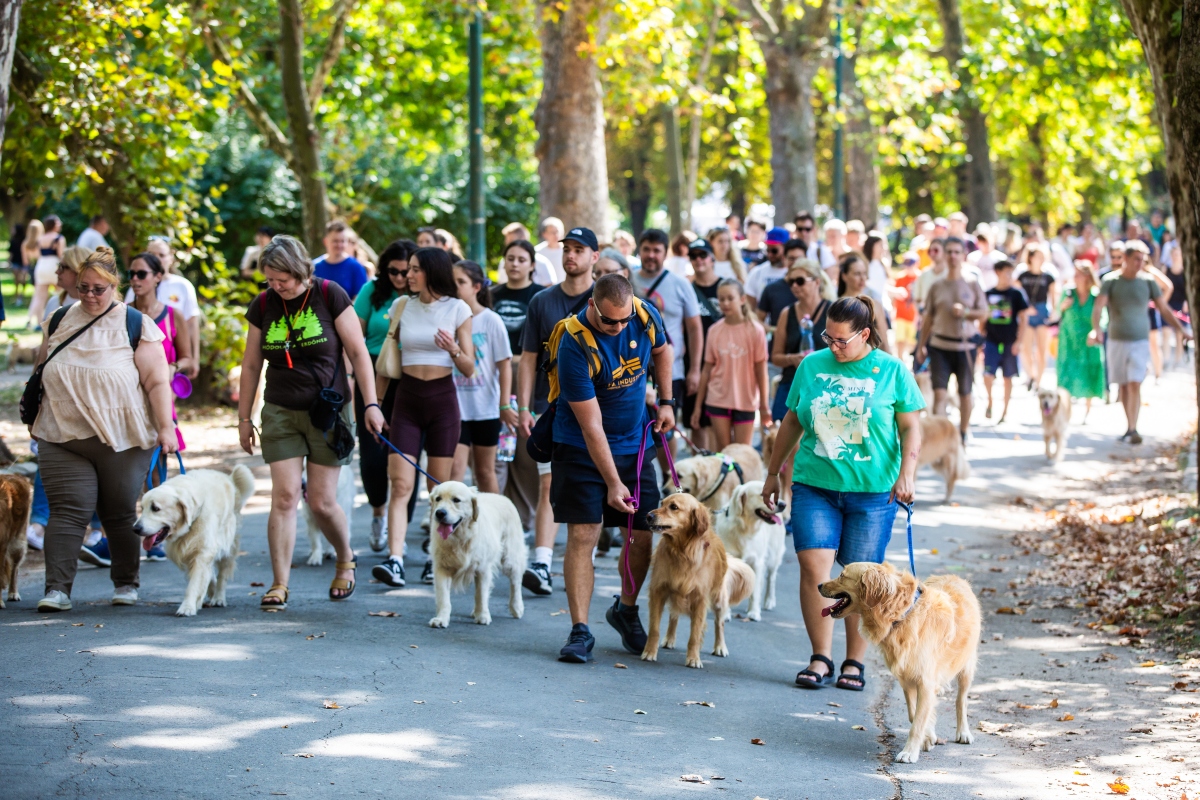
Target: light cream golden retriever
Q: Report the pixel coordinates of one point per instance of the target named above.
(1055, 405)
(928, 635)
(196, 518)
(942, 449)
(474, 534)
(16, 501)
(753, 532)
(691, 572)
(709, 479)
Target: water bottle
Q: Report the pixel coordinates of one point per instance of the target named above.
(806, 335)
(506, 449)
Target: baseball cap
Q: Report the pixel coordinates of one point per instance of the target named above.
(700, 246)
(778, 235)
(583, 236)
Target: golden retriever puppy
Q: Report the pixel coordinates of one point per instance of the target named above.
(197, 518)
(691, 571)
(754, 533)
(16, 501)
(1056, 417)
(928, 635)
(474, 534)
(942, 449)
(713, 478)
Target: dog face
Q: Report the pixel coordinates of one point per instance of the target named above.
(874, 590)
(164, 513)
(747, 499)
(1048, 402)
(680, 516)
(450, 504)
(693, 476)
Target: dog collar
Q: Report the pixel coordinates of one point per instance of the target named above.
(910, 608)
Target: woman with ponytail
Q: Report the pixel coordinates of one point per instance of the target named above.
(853, 410)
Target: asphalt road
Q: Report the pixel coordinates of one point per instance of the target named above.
(132, 702)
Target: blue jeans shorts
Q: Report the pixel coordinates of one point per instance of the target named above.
(858, 525)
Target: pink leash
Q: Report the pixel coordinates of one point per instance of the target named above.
(627, 580)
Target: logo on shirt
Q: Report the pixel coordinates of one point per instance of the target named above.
(306, 327)
(628, 367)
(841, 418)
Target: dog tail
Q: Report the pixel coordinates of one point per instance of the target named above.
(739, 581)
(962, 467)
(243, 481)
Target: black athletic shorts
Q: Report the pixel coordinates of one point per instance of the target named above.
(959, 363)
(579, 495)
(480, 432)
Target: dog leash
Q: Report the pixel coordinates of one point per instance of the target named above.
(416, 466)
(628, 584)
(912, 562)
(162, 468)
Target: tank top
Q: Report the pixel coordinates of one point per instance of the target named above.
(792, 342)
(166, 323)
(52, 250)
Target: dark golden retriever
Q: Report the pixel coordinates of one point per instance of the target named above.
(16, 501)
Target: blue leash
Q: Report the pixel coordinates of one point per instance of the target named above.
(162, 468)
(912, 562)
(416, 466)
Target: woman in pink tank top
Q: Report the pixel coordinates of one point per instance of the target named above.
(145, 273)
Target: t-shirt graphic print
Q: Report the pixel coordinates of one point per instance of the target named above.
(306, 330)
(841, 419)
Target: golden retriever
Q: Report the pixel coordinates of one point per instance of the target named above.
(702, 476)
(1055, 405)
(197, 517)
(928, 635)
(16, 501)
(942, 449)
(476, 534)
(691, 571)
(753, 532)
(769, 434)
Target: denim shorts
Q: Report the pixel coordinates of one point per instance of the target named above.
(858, 525)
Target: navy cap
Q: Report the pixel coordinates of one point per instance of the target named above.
(583, 236)
(700, 246)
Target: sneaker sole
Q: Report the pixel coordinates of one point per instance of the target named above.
(123, 602)
(380, 548)
(384, 575)
(156, 558)
(95, 561)
(51, 607)
(571, 658)
(534, 584)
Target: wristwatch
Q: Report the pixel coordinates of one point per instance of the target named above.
(668, 401)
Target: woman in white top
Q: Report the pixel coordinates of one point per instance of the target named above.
(50, 249)
(484, 399)
(435, 339)
(105, 407)
(727, 261)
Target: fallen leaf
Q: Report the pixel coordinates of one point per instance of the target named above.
(835, 705)
(716, 777)
(933, 551)
(1105, 657)
(257, 583)
(1175, 758)
(636, 710)
(619, 665)
(302, 755)
(722, 738)
(993, 727)
(77, 624)
(692, 779)
(1141, 730)
(1054, 703)
(1179, 685)
(698, 703)
(584, 701)
(470, 683)
(383, 613)
(757, 741)
(419, 702)
(1148, 664)
(413, 646)
(320, 635)
(330, 704)
(1119, 786)
(270, 610)
(1066, 718)
(858, 728)
(558, 613)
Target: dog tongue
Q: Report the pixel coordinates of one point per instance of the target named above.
(148, 543)
(825, 612)
(444, 530)
(775, 520)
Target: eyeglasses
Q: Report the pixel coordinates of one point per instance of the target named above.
(838, 344)
(140, 274)
(609, 321)
(805, 229)
(798, 281)
(94, 290)
(394, 272)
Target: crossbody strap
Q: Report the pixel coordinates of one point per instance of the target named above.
(75, 335)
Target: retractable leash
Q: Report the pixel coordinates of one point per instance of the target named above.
(162, 468)
(628, 584)
(417, 466)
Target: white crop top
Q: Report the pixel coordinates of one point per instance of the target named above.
(421, 321)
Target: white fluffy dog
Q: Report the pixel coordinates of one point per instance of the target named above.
(196, 517)
(754, 532)
(474, 534)
(318, 545)
(1055, 405)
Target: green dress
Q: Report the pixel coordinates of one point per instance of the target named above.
(1080, 368)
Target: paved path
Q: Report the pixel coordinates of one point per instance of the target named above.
(123, 702)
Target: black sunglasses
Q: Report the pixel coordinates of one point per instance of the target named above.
(775, 249)
(806, 229)
(608, 321)
(798, 281)
(140, 274)
(394, 272)
(95, 290)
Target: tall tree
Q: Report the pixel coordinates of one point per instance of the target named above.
(10, 21)
(691, 172)
(862, 148)
(792, 37)
(572, 165)
(1169, 31)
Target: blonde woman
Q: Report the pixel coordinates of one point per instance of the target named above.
(727, 261)
(92, 458)
(50, 247)
(68, 277)
(813, 292)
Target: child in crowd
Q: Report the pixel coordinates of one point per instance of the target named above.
(734, 380)
(1007, 310)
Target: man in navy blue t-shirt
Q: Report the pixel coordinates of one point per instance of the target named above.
(597, 434)
(337, 264)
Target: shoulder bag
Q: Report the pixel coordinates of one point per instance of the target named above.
(388, 363)
(31, 398)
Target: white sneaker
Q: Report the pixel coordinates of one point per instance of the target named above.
(35, 537)
(54, 601)
(93, 536)
(124, 596)
(378, 539)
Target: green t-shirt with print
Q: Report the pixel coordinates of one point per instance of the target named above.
(848, 411)
(376, 318)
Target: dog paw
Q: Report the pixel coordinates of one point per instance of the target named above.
(721, 652)
(482, 619)
(906, 756)
(2, 602)
(695, 663)
(668, 644)
(516, 611)
(754, 616)
(964, 737)
(649, 655)
(315, 559)
(186, 610)
(215, 602)
(439, 622)
(769, 604)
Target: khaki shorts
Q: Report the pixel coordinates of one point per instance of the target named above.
(291, 434)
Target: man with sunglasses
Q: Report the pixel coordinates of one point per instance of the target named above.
(598, 428)
(778, 294)
(772, 270)
(818, 251)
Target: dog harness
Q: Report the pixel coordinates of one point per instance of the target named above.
(727, 465)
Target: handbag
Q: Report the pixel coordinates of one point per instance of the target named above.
(31, 397)
(387, 364)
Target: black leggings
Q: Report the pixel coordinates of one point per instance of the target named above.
(372, 455)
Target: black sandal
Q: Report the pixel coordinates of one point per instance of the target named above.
(852, 683)
(807, 679)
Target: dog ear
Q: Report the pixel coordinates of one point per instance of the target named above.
(701, 519)
(474, 508)
(876, 586)
(739, 501)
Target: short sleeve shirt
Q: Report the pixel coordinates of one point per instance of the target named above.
(545, 310)
(1004, 310)
(376, 318)
(512, 305)
(675, 300)
(312, 342)
(734, 350)
(951, 332)
(347, 273)
(619, 388)
(479, 395)
(775, 298)
(850, 442)
(1127, 300)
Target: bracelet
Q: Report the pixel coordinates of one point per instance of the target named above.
(240, 421)
(523, 408)
(373, 405)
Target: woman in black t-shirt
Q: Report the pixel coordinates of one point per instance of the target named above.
(813, 290)
(511, 300)
(300, 327)
(1041, 289)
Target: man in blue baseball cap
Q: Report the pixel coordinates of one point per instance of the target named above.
(771, 270)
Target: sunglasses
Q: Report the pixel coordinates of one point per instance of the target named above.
(94, 290)
(140, 274)
(609, 321)
(838, 344)
(805, 229)
(394, 272)
(798, 281)
(775, 249)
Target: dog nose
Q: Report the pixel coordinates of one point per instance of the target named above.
(137, 527)
(440, 514)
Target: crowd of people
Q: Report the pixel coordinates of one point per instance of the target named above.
(430, 368)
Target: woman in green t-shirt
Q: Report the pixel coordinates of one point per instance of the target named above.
(853, 410)
(371, 306)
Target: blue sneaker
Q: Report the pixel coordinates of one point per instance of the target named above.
(629, 625)
(156, 553)
(96, 554)
(578, 649)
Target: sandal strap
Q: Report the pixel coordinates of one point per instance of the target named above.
(274, 590)
(341, 583)
(824, 660)
(849, 662)
(347, 565)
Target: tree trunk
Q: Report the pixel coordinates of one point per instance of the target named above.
(572, 167)
(1169, 31)
(675, 209)
(691, 177)
(10, 22)
(980, 199)
(793, 131)
(862, 144)
(306, 141)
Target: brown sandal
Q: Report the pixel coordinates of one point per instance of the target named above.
(341, 584)
(275, 598)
